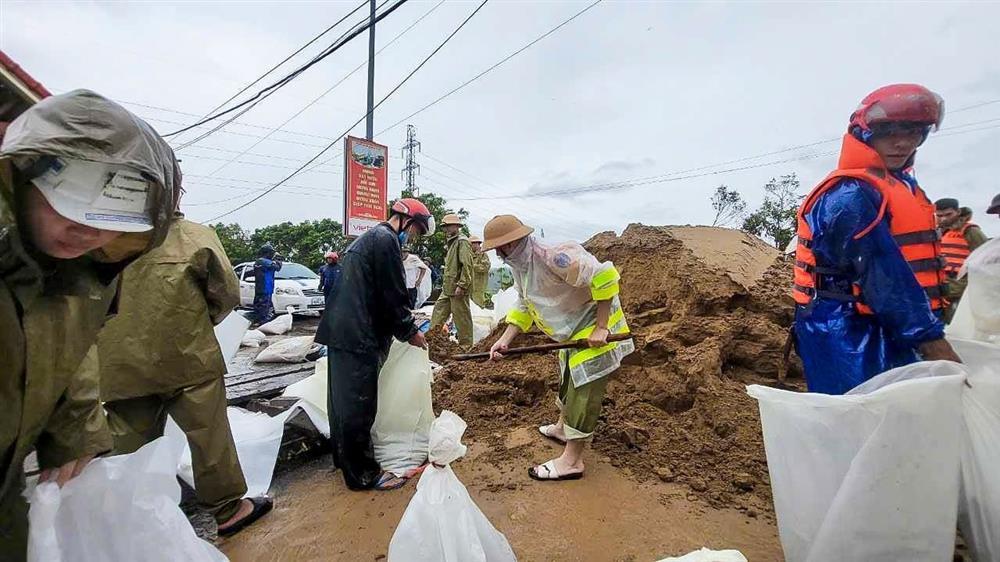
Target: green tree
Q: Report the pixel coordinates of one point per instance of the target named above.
(729, 206)
(304, 243)
(775, 218)
(236, 241)
(433, 247)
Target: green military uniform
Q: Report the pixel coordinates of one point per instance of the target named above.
(954, 287)
(159, 356)
(52, 309)
(480, 275)
(457, 274)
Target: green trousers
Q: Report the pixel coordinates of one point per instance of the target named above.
(581, 406)
(200, 411)
(458, 309)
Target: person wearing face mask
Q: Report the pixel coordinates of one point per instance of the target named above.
(960, 237)
(569, 295)
(370, 306)
(86, 187)
(869, 278)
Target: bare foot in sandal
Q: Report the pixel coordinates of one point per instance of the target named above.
(389, 481)
(555, 432)
(557, 469)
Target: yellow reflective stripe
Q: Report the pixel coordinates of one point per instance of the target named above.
(605, 293)
(618, 326)
(605, 277)
(613, 320)
(519, 318)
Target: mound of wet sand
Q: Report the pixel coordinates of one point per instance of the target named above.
(710, 309)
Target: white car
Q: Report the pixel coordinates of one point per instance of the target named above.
(295, 286)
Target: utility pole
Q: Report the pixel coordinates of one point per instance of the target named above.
(370, 125)
(412, 168)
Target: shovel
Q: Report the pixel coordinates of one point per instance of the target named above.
(575, 344)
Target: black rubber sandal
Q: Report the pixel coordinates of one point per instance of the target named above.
(261, 506)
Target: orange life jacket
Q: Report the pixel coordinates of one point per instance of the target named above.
(911, 223)
(955, 248)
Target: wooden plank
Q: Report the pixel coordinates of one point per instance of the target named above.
(265, 388)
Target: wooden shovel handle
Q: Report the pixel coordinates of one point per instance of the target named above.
(539, 348)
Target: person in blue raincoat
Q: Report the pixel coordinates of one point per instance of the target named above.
(329, 273)
(868, 270)
(263, 274)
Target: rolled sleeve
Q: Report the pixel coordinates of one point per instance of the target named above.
(519, 316)
(604, 285)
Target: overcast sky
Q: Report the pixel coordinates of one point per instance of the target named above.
(627, 91)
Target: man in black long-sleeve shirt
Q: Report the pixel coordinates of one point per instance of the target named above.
(370, 306)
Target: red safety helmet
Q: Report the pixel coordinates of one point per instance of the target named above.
(332, 256)
(417, 212)
(899, 103)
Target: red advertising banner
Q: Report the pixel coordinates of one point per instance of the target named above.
(366, 185)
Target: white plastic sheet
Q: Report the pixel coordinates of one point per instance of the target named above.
(442, 523)
(706, 555)
(502, 303)
(258, 438)
(403, 422)
(230, 334)
(482, 322)
(871, 476)
(312, 389)
(278, 326)
(288, 350)
(120, 509)
(979, 511)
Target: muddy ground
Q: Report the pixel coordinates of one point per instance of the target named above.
(677, 461)
(606, 516)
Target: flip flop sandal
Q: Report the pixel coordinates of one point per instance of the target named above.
(414, 472)
(551, 474)
(383, 482)
(261, 506)
(546, 430)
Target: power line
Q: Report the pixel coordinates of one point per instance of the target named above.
(973, 106)
(674, 176)
(343, 39)
(330, 89)
(363, 117)
(488, 70)
(493, 67)
(288, 58)
(267, 91)
(261, 164)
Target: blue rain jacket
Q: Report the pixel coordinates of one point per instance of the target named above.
(839, 347)
(263, 273)
(328, 276)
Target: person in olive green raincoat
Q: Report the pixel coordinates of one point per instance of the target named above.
(457, 284)
(85, 187)
(480, 271)
(159, 356)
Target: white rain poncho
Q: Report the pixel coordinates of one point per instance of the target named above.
(558, 288)
(412, 265)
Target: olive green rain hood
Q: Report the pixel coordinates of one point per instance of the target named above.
(52, 309)
(87, 126)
